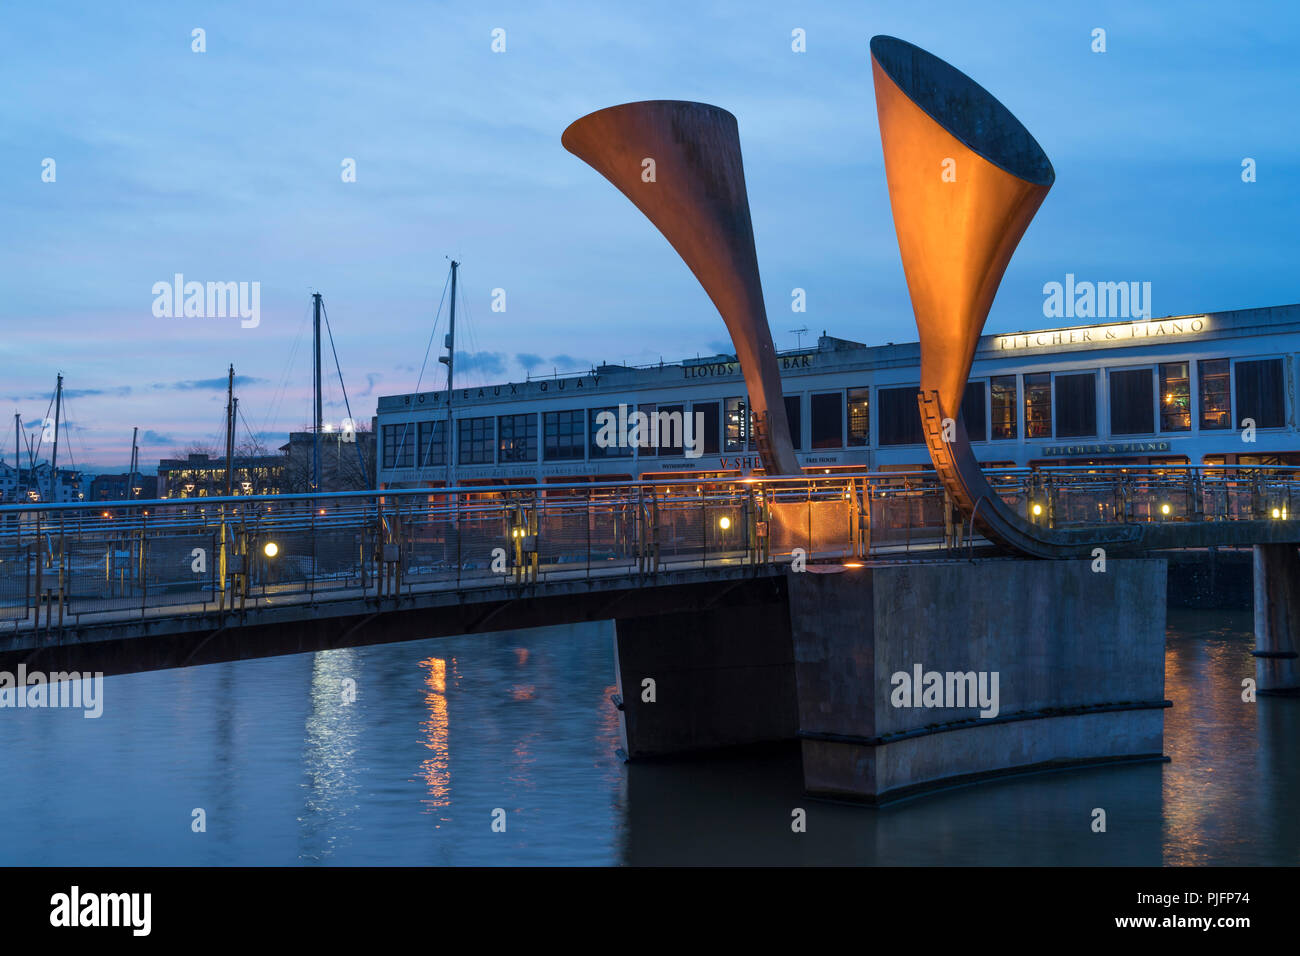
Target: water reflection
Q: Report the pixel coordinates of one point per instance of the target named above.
(329, 754)
(290, 773)
(436, 770)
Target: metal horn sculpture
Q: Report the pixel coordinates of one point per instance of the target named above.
(694, 193)
(965, 179)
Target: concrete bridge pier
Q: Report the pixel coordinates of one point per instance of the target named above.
(704, 679)
(914, 677)
(1277, 618)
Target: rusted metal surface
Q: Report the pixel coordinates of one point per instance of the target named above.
(965, 180)
(697, 199)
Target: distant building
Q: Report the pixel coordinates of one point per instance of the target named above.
(201, 476)
(35, 486)
(347, 461)
(114, 487)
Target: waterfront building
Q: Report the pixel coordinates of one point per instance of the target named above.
(202, 476)
(1168, 391)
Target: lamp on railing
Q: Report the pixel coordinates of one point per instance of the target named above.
(270, 549)
(724, 523)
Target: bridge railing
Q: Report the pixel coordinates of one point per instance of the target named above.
(62, 564)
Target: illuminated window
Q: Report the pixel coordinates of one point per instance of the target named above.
(1175, 398)
(517, 438)
(1216, 411)
(736, 424)
(1038, 405)
(857, 402)
(1003, 400)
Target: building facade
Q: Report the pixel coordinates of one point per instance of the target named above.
(201, 476)
(1215, 388)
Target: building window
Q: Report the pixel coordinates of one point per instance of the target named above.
(564, 434)
(433, 443)
(608, 440)
(900, 417)
(792, 415)
(972, 412)
(827, 420)
(1038, 405)
(646, 435)
(1132, 408)
(398, 446)
(517, 438)
(1076, 405)
(1216, 411)
(670, 424)
(857, 404)
(475, 441)
(706, 418)
(1003, 400)
(736, 422)
(1260, 392)
(1175, 398)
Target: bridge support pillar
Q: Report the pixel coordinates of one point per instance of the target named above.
(921, 676)
(1277, 618)
(717, 678)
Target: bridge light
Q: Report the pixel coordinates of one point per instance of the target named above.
(1277, 512)
(270, 549)
(1164, 509)
(724, 523)
(1037, 509)
(852, 564)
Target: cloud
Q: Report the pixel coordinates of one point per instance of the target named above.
(492, 363)
(151, 437)
(723, 347)
(528, 360)
(214, 384)
(567, 363)
(371, 379)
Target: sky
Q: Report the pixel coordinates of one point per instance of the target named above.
(228, 166)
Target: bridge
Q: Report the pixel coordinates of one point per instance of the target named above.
(83, 581)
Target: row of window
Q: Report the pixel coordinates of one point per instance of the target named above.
(1143, 401)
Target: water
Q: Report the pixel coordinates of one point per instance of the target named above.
(444, 732)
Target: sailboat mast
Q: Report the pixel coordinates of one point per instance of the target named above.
(18, 459)
(54, 458)
(135, 461)
(451, 361)
(230, 429)
(316, 390)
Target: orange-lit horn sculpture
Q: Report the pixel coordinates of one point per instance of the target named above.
(694, 193)
(965, 179)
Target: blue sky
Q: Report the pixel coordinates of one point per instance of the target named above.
(225, 166)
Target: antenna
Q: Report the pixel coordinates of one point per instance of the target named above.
(799, 333)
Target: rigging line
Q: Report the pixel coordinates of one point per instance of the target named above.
(45, 419)
(277, 398)
(469, 329)
(406, 427)
(346, 404)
